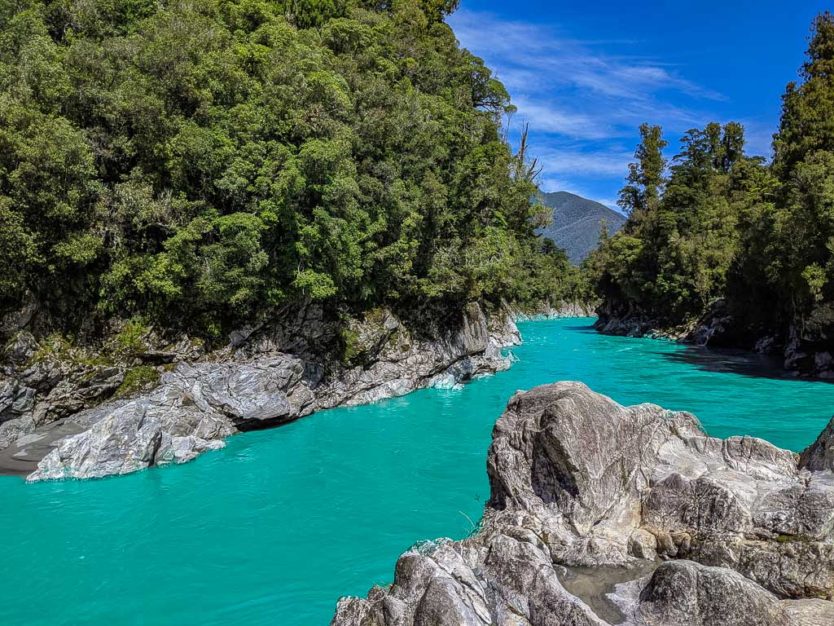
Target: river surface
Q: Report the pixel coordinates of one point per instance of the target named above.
(277, 526)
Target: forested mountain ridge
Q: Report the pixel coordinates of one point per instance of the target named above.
(576, 223)
(745, 245)
(195, 163)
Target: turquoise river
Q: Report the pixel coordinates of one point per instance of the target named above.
(277, 526)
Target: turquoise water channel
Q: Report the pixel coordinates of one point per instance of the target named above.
(279, 524)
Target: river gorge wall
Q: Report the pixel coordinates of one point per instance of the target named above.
(604, 514)
(805, 352)
(550, 311)
(64, 418)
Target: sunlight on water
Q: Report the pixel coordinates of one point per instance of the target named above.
(279, 524)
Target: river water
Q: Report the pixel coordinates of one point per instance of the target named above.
(279, 524)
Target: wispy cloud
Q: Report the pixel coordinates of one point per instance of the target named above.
(548, 117)
(565, 160)
(583, 100)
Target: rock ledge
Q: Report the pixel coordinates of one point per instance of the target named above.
(58, 427)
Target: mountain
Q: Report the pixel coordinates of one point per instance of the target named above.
(577, 222)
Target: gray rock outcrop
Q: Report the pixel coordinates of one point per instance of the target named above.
(805, 352)
(732, 531)
(561, 310)
(55, 425)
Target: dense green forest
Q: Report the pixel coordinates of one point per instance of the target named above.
(197, 162)
(717, 228)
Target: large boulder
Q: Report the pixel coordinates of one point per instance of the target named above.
(195, 409)
(580, 483)
(684, 592)
(118, 438)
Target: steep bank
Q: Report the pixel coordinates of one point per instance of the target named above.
(802, 351)
(588, 495)
(56, 426)
(548, 311)
(639, 325)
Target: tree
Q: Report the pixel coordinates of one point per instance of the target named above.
(726, 226)
(803, 244)
(672, 259)
(807, 123)
(645, 176)
(198, 163)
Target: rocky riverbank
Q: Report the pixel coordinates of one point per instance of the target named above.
(603, 514)
(806, 353)
(548, 311)
(77, 418)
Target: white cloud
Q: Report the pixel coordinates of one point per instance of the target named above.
(523, 53)
(584, 164)
(583, 100)
(546, 117)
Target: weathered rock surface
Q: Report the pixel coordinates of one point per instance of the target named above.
(742, 531)
(819, 456)
(805, 353)
(54, 417)
(565, 309)
(684, 592)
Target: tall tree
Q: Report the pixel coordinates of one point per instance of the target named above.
(646, 175)
(807, 123)
(803, 233)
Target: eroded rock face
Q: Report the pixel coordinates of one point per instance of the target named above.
(819, 456)
(746, 530)
(256, 383)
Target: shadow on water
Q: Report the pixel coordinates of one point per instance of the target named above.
(730, 361)
(584, 328)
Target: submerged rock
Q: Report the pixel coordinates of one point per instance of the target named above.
(746, 530)
(269, 376)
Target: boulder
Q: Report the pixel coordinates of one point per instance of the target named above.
(122, 437)
(684, 592)
(819, 456)
(579, 482)
(20, 348)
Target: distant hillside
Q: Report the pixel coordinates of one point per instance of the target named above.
(577, 222)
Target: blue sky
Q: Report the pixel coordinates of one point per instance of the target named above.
(585, 75)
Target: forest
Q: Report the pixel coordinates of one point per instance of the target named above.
(196, 163)
(718, 232)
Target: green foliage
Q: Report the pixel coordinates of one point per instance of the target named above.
(195, 162)
(672, 258)
(351, 349)
(53, 347)
(138, 379)
(131, 339)
(760, 237)
(645, 176)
